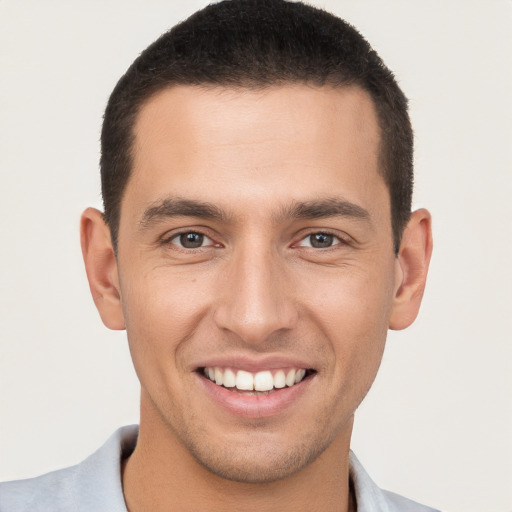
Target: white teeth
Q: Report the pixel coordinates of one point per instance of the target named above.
(244, 380)
(279, 379)
(263, 381)
(229, 379)
(260, 381)
(299, 375)
(290, 378)
(218, 376)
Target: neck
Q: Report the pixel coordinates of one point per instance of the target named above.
(162, 475)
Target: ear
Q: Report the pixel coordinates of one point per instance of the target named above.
(412, 266)
(101, 267)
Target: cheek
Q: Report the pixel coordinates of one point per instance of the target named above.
(162, 298)
(161, 312)
(355, 295)
(351, 307)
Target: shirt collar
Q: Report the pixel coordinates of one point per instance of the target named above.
(102, 472)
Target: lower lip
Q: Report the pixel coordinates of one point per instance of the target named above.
(255, 406)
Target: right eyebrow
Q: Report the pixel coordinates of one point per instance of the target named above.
(177, 207)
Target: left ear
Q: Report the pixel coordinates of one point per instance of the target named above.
(412, 262)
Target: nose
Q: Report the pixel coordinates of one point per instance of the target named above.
(258, 297)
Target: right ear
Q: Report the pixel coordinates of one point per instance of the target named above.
(101, 267)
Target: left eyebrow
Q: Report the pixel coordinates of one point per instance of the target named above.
(178, 207)
(324, 208)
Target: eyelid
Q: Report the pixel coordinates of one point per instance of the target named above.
(343, 239)
(169, 237)
(206, 240)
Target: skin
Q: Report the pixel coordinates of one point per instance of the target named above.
(255, 289)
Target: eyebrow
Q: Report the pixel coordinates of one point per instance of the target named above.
(315, 209)
(324, 208)
(178, 207)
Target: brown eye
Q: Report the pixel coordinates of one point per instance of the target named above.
(191, 240)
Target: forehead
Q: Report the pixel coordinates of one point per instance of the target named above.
(281, 143)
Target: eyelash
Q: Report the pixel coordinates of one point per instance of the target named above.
(340, 241)
(169, 240)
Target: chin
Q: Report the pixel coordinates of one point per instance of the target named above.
(257, 463)
(240, 469)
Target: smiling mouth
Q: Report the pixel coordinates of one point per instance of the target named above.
(258, 383)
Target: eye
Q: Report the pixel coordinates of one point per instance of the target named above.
(191, 240)
(319, 241)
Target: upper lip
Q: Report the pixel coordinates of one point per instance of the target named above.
(253, 364)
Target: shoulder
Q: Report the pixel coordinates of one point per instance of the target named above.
(94, 485)
(371, 498)
(397, 503)
(52, 491)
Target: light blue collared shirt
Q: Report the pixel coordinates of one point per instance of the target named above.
(95, 485)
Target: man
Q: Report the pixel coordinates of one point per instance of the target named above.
(256, 245)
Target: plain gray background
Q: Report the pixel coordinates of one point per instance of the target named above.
(436, 426)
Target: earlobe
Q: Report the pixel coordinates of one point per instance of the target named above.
(412, 266)
(101, 267)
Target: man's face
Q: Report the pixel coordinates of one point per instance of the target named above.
(255, 237)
